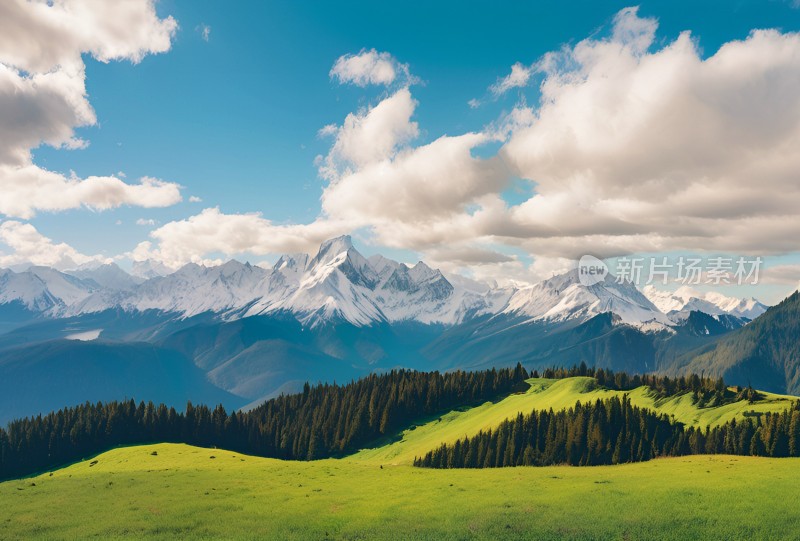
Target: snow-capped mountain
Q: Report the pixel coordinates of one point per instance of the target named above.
(191, 290)
(42, 289)
(685, 299)
(339, 283)
(107, 276)
(563, 297)
(149, 269)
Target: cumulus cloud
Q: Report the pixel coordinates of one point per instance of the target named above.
(30, 246)
(28, 189)
(38, 35)
(634, 150)
(211, 231)
(371, 135)
(404, 196)
(420, 194)
(519, 77)
(43, 97)
(369, 67)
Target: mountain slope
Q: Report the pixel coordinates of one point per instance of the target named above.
(686, 299)
(765, 353)
(48, 376)
(564, 297)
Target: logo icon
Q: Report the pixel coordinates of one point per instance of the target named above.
(591, 270)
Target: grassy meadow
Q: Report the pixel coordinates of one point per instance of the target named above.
(172, 491)
(183, 493)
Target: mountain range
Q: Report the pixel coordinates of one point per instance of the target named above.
(252, 332)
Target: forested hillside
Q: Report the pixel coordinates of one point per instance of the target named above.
(613, 432)
(765, 352)
(322, 421)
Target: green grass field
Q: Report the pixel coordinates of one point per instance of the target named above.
(183, 493)
(169, 491)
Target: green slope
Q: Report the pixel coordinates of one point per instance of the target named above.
(765, 352)
(555, 394)
(183, 493)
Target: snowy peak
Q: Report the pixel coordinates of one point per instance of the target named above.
(43, 289)
(563, 297)
(332, 249)
(291, 264)
(339, 255)
(339, 283)
(148, 268)
(108, 276)
(685, 299)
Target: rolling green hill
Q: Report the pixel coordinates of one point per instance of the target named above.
(555, 394)
(171, 491)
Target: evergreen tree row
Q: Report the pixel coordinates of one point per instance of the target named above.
(322, 421)
(706, 392)
(614, 432)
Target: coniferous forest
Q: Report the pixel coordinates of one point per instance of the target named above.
(322, 421)
(613, 432)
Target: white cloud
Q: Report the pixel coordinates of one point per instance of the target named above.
(369, 67)
(30, 246)
(633, 150)
(211, 231)
(519, 77)
(43, 97)
(205, 32)
(29, 189)
(420, 194)
(38, 36)
(195, 199)
(781, 274)
(404, 195)
(370, 136)
(328, 130)
(146, 221)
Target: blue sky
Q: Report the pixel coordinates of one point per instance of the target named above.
(234, 119)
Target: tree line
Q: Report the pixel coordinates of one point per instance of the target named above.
(323, 420)
(614, 431)
(706, 391)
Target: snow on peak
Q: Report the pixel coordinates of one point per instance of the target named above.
(149, 268)
(107, 275)
(340, 283)
(563, 297)
(686, 299)
(43, 289)
(331, 249)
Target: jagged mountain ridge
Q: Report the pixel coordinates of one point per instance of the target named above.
(679, 303)
(338, 283)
